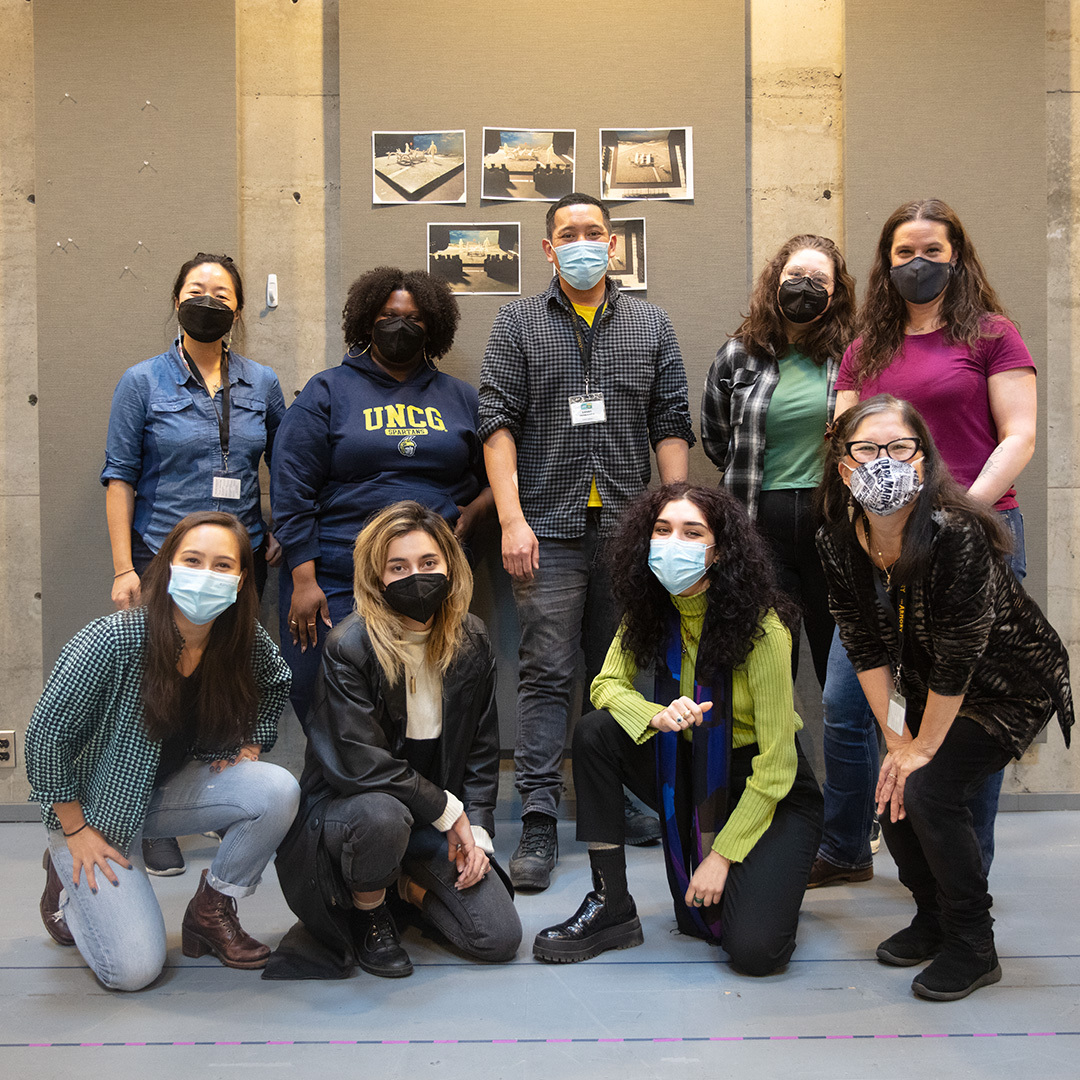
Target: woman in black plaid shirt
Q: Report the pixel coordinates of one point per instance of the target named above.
(768, 396)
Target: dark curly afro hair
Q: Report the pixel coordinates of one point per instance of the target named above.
(742, 582)
(432, 295)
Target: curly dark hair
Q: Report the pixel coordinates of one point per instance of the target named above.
(939, 491)
(970, 307)
(763, 333)
(742, 586)
(432, 295)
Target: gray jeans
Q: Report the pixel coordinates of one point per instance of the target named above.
(564, 610)
(373, 838)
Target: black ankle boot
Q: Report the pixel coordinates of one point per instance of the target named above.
(915, 943)
(958, 969)
(607, 919)
(378, 947)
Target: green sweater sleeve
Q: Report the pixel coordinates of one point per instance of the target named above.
(613, 689)
(763, 696)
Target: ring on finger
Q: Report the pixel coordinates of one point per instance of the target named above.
(698, 901)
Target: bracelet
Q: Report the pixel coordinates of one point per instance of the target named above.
(129, 570)
(78, 830)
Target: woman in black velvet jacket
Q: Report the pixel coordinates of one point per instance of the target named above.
(958, 663)
(401, 774)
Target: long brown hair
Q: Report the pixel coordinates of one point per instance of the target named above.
(384, 624)
(968, 307)
(763, 332)
(939, 491)
(228, 699)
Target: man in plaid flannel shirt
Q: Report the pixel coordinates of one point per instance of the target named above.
(576, 383)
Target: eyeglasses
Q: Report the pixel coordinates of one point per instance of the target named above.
(818, 277)
(898, 449)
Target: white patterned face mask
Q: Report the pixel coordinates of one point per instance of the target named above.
(884, 486)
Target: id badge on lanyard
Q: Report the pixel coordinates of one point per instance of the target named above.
(225, 485)
(897, 714)
(587, 408)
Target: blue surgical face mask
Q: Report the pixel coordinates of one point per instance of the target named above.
(677, 564)
(583, 263)
(202, 595)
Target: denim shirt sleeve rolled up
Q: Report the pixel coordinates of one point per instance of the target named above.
(164, 440)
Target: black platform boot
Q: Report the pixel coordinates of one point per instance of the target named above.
(607, 918)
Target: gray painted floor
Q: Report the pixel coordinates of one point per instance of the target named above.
(671, 1008)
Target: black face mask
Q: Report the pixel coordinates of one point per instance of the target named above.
(802, 300)
(205, 318)
(418, 596)
(398, 340)
(921, 280)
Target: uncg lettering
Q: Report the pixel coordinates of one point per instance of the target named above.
(401, 416)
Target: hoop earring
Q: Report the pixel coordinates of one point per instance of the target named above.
(349, 351)
(429, 362)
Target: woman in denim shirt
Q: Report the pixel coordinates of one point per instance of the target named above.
(169, 451)
(186, 431)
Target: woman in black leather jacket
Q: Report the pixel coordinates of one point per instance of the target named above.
(401, 775)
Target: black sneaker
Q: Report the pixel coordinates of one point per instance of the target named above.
(378, 946)
(642, 829)
(914, 944)
(536, 854)
(163, 857)
(956, 972)
(592, 929)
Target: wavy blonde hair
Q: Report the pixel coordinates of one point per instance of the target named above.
(384, 624)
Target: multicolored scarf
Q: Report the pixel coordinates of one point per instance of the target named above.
(692, 780)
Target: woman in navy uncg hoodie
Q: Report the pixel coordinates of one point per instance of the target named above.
(383, 426)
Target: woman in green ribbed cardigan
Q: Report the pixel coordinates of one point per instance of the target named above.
(715, 749)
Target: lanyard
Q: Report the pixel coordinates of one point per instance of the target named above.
(585, 345)
(223, 415)
(896, 616)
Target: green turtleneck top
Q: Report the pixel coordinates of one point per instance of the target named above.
(763, 712)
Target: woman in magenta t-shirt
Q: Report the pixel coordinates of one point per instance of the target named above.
(932, 332)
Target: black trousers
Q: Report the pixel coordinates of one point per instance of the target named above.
(763, 894)
(786, 520)
(935, 847)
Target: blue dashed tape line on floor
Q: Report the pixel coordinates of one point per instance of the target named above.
(517, 1042)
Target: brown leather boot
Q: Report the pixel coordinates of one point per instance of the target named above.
(51, 915)
(211, 926)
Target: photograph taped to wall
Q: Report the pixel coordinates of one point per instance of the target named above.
(647, 163)
(627, 264)
(527, 163)
(476, 258)
(418, 166)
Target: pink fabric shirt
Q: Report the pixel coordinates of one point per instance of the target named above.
(947, 383)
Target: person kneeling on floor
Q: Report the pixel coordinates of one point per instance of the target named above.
(740, 808)
(402, 768)
(153, 720)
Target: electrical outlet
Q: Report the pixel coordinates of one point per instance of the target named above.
(7, 749)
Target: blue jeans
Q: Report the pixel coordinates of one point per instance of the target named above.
(851, 753)
(565, 609)
(120, 930)
(334, 573)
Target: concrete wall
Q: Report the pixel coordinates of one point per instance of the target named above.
(288, 153)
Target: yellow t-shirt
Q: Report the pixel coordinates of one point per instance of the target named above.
(588, 314)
